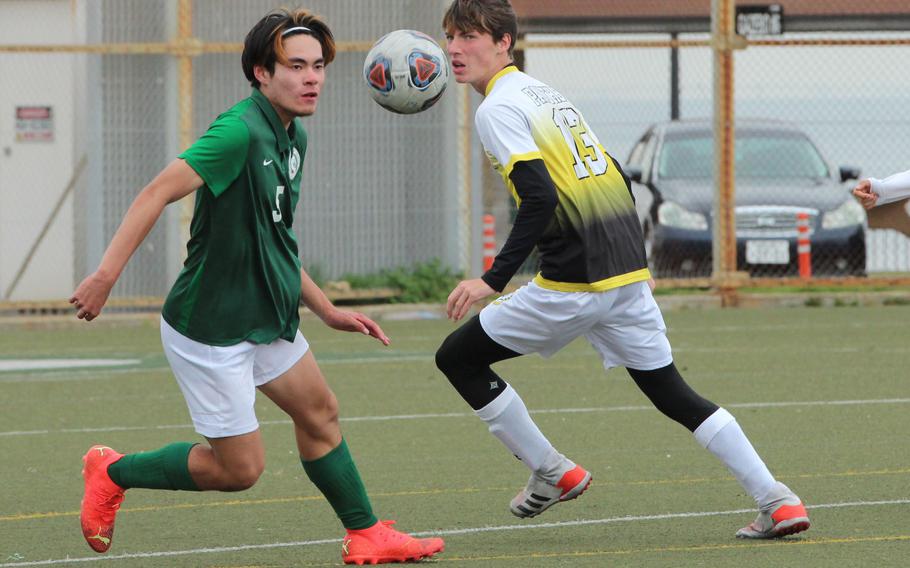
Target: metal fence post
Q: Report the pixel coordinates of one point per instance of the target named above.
(724, 237)
(185, 101)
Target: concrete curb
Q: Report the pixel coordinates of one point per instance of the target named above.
(672, 302)
(414, 312)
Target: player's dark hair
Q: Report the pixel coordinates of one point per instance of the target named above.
(264, 44)
(495, 17)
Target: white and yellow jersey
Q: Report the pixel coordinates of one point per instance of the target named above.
(594, 242)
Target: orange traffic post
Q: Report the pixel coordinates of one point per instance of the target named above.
(489, 241)
(803, 245)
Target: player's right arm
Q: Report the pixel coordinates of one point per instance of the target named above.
(174, 182)
(872, 191)
(863, 192)
(215, 160)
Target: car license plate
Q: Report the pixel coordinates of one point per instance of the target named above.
(767, 252)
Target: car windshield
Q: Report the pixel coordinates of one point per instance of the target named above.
(759, 154)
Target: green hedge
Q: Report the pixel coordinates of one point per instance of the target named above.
(421, 282)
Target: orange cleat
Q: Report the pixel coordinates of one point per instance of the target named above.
(102, 498)
(380, 544)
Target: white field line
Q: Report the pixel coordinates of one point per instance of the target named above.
(39, 374)
(49, 364)
(449, 532)
(36, 374)
(429, 416)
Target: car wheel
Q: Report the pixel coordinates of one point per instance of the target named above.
(648, 232)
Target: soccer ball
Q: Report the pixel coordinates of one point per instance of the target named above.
(406, 71)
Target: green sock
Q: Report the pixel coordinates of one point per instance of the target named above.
(164, 468)
(336, 476)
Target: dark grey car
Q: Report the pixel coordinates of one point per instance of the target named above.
(779, 174)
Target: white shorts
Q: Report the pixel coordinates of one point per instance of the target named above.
(219, 383)
(623, 324)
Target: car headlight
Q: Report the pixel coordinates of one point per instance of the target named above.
(674, 215)
(849, 213)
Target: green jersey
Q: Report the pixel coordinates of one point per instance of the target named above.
(241, 278)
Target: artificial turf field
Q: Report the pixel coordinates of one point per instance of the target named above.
(823, 393)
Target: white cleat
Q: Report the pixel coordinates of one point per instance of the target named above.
(539, 494)
(783, 515)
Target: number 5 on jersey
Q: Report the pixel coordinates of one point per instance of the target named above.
(570, 124)
(276, 212)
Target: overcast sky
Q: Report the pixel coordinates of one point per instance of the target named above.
(855, 101)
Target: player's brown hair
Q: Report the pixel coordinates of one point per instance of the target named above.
(495, 17)
(264, 44)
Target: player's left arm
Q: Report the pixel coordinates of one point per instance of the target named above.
(537, 193)
(506, 134)
(315, 299)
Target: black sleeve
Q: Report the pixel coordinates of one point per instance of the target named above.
(538, 198)
(625, 178)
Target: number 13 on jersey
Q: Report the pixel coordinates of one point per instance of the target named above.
(585, 148)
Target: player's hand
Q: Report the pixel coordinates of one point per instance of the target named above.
(355, 321)
(91, 295)
(652, 284)
(867, 197)
(465, 295)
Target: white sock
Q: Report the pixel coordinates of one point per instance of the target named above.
(723, 437)
(508, 419)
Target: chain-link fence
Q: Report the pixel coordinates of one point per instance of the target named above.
(813, 111)
(101, 94)
(132, 83)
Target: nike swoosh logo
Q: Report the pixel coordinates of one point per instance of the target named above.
(266, 162)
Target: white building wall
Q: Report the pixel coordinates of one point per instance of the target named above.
(34, 174)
